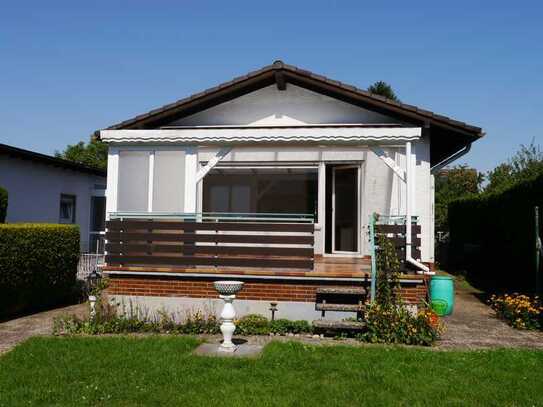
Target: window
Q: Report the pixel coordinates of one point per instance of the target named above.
(261, 190)
(67, 209)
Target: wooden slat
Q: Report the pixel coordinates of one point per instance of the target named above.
(400, 252)
(115, 248)
(210, 261)
(340, 307)
(128, 225)
(399, 241)
(397, 229)
(209, 238)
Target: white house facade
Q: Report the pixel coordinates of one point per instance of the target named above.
(273, 178)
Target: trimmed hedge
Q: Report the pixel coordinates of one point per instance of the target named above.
(3, 204)
(38, 265)
(492, 236)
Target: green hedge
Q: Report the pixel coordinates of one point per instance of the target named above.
(38, 265)
(492, 236)
(3, 204)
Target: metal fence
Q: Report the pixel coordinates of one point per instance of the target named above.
(87, 263)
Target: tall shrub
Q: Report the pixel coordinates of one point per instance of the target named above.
(3, 204)
(38, 265)
(492, 236)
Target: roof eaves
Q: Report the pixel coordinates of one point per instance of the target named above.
(50, 160)
(279, 65)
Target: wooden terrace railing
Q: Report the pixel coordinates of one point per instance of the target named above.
(216, 240)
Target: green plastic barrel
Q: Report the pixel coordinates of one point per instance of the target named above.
(442, 295)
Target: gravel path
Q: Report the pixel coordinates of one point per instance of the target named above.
(17, 330)
(473, 325)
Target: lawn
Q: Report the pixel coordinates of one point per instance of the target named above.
(161, 371)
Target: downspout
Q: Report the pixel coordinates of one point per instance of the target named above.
(436, 168)
(410, 198)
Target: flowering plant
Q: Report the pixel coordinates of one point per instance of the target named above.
(396, 324)
(518, 310)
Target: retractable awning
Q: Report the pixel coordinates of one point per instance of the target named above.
(329, 134)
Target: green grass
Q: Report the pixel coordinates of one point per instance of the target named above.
(161, 371)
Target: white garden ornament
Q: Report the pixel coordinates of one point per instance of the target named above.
(227, 292)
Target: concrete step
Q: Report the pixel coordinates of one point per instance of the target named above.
(339, 325)
(340, 307)
(342, 290)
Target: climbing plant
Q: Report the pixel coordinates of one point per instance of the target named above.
(388, 270)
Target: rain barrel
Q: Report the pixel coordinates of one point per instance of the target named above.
(442, 294)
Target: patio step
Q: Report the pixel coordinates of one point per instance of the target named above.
(342, 290)
(323, 306)
(339, 325)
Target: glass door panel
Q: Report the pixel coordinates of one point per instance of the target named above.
(345, 209)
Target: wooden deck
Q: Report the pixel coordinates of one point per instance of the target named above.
(340, 267)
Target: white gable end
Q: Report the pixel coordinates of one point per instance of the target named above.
(293, 106)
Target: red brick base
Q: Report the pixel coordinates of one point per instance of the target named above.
(254, 289)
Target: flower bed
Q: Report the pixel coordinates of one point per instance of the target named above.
(519, 311)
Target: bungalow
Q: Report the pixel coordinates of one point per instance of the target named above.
(49, 189)
(273, 178)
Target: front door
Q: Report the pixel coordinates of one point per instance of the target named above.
(345, 221)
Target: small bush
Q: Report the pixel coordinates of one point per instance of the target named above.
(256, 324)
(519, 311)
(38, 265)
(199, 323)
(284, 326)
(3, 204)
(253, 324)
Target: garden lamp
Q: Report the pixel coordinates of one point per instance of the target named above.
(93, 280)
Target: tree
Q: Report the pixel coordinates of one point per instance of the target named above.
(525, 164)
(93, 153)
(451, 184)
(383, 89)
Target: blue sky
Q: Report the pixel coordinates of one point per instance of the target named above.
(69, 68)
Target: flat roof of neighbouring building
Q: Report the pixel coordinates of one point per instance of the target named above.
(50, 160)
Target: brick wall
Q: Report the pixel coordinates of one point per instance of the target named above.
(266, 290)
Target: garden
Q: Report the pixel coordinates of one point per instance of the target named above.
(387, 319)
(135, 358)
(161, 370)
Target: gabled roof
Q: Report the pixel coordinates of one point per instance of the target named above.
(49, 160)
(459, 134)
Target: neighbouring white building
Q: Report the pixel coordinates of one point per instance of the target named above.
(48, 189)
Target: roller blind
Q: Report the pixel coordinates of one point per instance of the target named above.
(169, 181)
(133, 183)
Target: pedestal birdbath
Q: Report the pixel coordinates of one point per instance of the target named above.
(227, 292)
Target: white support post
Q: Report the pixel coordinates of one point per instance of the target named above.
(410, 188)
(409, 199)
(112, 181)
(321, 203)
(151, 181)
